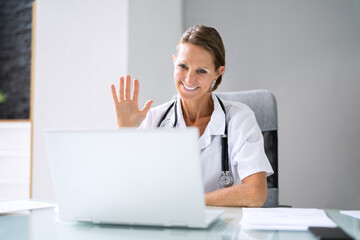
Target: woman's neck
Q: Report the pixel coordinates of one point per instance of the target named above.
(198, 113)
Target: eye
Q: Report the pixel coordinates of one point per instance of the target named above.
(202, 71)
(182, 66)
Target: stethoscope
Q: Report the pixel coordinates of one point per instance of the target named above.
(226, 180)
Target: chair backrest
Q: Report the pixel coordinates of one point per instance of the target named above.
(263, 103)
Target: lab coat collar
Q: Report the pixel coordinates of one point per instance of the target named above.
(216, 125)
(170, 117)
(181, 121)
(217, 121)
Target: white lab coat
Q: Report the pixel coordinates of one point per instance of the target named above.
(245, 141)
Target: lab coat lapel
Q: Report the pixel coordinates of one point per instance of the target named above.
(216, 126)
(181, 121)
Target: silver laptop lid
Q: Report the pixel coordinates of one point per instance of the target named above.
(127, 176)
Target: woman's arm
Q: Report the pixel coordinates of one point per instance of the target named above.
(127, 107)
(251, 193)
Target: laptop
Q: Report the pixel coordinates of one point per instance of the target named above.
(129, 177)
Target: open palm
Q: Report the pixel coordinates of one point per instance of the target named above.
(127, 109)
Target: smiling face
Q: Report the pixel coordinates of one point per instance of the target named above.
(194, 72)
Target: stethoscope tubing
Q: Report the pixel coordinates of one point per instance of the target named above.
(224, 143)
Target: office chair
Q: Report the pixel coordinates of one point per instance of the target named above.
(263, 103)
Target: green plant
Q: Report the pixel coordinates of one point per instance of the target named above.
(2, 97)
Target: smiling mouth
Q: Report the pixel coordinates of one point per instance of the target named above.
(189, 88)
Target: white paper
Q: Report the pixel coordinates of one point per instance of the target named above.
(284, 218)
(21, 205)
(353, 213)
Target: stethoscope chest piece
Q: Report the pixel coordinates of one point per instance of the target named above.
(226, 179)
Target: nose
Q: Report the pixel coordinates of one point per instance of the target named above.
(190, 78)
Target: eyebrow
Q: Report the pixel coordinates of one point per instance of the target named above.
(188, 64)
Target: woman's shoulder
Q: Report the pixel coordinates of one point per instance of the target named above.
(158, 111)
(241, 121)
(162, 107)
(234, 108)
(154, 115)
(239, 115)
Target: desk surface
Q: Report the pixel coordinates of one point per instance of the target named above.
(41, 224)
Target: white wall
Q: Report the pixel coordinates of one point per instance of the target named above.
(84, 46)
(308, 54)
(81, 48)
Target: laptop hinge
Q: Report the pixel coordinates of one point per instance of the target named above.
(83, 219)
(178, 224)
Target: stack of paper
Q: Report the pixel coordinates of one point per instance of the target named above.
(284, 218)
(21, 205)
(353, 213)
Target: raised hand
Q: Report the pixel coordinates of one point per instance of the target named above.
(127, 108)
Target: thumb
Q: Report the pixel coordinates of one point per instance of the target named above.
(147, 106)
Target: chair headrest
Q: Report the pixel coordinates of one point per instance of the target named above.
(262, 102)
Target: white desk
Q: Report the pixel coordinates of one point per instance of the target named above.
(41, 224)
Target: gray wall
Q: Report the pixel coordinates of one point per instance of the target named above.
(152, 44)
(308, 54)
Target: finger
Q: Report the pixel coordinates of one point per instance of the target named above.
(127, 87)
(147, 106)
(135, 92)
(113, 93)
(121, 88)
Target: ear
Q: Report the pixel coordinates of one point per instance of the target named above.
(174, 58)
(220, 71)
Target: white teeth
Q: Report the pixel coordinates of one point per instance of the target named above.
(189, 88)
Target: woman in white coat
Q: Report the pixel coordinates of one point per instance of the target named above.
(198, 67)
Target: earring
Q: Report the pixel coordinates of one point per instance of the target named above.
(213, 84)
